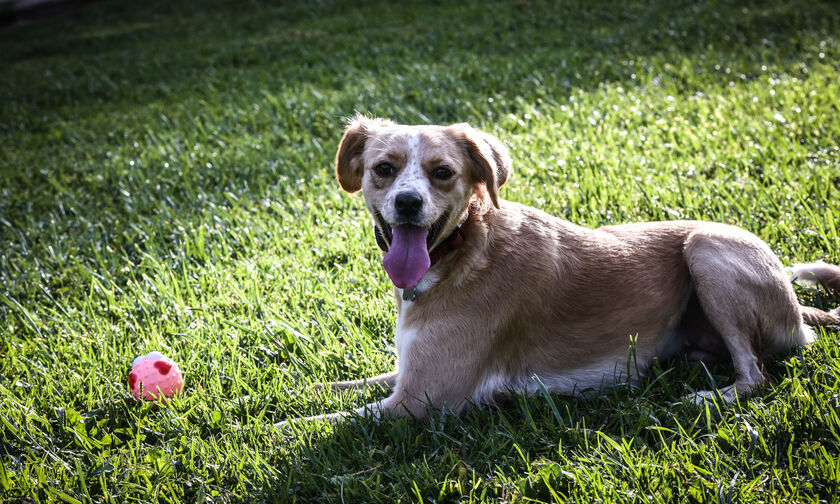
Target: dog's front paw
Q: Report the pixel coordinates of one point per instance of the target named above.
(728, 394)
(328, 419)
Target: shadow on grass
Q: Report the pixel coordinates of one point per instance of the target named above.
(407, 457)
(533, 446)
(122, 52)
(263, 89)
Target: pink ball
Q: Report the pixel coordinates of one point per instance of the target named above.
(156, 374)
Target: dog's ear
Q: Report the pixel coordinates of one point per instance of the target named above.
(348, 159)
(491, 163)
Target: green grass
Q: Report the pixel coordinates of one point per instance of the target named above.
(166, 184)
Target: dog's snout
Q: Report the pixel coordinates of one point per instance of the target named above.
(408, 204)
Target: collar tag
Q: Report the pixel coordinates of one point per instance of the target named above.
(410, 294)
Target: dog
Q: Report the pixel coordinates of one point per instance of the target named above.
(495, 297)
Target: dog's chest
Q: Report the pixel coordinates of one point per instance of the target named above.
(405, 333)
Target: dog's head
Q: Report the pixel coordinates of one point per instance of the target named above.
(418, 183)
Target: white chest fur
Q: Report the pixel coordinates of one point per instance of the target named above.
(404, 336)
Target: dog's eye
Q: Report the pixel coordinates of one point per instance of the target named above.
(384, 169)
(442, 173)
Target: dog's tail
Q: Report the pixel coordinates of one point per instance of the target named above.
(813, 275)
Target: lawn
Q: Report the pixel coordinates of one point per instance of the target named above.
(166, 183)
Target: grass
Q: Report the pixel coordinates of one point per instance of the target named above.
(166, 184)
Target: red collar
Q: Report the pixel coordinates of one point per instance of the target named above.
(452, 242)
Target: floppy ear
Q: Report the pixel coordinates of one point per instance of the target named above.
(348, 159)
(491, 163)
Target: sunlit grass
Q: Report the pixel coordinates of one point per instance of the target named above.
(166, 184)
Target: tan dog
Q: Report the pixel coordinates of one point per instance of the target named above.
(495, 297)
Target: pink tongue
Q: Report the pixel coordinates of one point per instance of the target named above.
(408, 257)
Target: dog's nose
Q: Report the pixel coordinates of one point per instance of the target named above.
(408, 204)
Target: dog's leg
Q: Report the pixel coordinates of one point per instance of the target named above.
(385, 380)
(373, 410)
(436, 371)
(743, 291)
(813, 275)
(817, 273)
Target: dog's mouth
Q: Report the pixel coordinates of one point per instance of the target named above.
(385, 234)
(407, 249)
